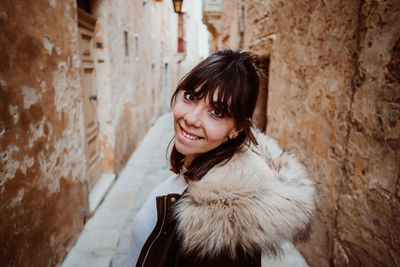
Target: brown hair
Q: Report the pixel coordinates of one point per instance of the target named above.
(235, 76)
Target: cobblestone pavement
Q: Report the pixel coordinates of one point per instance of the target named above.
(104, 241)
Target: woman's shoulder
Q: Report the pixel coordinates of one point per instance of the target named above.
(173, 184)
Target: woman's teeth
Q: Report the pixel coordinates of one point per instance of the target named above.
(191, 137)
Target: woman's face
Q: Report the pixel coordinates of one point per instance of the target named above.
(199, 127)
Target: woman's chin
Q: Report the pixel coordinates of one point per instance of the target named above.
(181, 148)
(184, 150)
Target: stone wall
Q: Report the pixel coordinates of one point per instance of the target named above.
(43, 188)
(334, 100)
(43, 199)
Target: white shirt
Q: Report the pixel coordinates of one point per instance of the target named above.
(146, 219)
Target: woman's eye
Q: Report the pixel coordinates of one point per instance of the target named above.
(189, 97)
(216, 113)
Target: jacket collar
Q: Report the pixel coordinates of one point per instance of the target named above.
(257, 200)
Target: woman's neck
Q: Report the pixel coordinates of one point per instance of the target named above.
(188, 160)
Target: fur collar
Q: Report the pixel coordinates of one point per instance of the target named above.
(257, 200)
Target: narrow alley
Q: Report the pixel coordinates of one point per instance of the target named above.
(85, 118)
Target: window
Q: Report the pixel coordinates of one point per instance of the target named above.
(137, 46)
(181, 33)
(85, 5)
(126, 44)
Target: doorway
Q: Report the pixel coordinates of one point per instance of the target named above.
(260, 112)
(86, 23)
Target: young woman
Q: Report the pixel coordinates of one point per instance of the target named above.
(235, 194)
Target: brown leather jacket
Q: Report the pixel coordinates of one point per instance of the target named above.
(259, 199)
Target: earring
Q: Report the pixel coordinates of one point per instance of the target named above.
(233, 136)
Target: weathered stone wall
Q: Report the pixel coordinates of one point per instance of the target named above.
(43, 191)
(368, 221)
(334, 100)
(43, 201)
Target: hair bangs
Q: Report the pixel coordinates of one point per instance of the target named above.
(220, 97)
(202, 84)
(229, 97)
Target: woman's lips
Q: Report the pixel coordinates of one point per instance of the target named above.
(188, 135)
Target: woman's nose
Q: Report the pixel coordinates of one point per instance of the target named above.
(193, 117)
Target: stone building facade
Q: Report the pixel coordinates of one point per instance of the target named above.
(80, 84)
(332, 96)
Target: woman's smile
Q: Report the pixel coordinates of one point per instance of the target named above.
(190, 136)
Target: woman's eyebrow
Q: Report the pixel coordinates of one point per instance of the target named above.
(218, 103)
(222, 106)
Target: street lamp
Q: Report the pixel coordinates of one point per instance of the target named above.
(177, 5)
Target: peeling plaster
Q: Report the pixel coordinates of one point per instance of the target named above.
(63, 82)
(71, 20)
(60, 84)
(76, 62)
(10, 165)
(49, 134)
(333, 86)
(66, 159)
(27, 162)
(53, 3)
(2, 130)
(43, 86)
(48, 44)
(3, 14)
(58, 50)
(2, 81)
(30, 97)
(14, 113)
(17, 199)
(37, 132)
(52, 240)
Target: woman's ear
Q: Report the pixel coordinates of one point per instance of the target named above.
(234, 133)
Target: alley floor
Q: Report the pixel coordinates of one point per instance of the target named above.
(104, 241)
